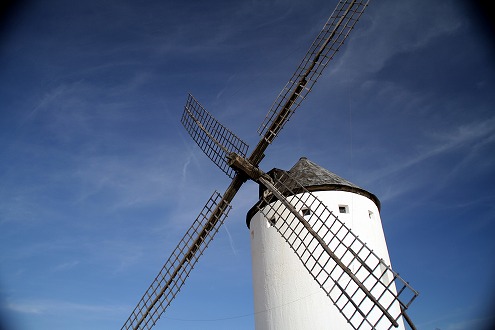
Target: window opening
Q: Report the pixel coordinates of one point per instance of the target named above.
(343, 209)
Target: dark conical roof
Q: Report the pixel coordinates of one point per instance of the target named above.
(310, 174)
(313, 177)
(316, 178)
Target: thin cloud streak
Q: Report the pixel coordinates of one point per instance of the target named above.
(380, 43)
(465, 137)
(55, 307)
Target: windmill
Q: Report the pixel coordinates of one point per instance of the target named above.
(347, 271)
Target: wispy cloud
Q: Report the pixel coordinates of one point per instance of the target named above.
(468, 138)
(184, 169)
(231, 241)
(380, 43)
(55, 307)
(65, 266)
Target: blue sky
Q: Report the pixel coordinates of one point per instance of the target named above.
(99, 180)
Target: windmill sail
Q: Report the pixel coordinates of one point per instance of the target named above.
(366, 291)
(213, 138)
(172, 276)
(323, 49)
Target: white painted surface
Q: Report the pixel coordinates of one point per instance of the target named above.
(285, 295)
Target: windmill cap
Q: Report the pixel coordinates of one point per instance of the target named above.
(310, 175)
(313, 177)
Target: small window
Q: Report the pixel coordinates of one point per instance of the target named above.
(305, 212)
(272, 222)
(371, 215)
(343, 209)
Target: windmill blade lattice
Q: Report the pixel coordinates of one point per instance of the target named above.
(323, 49)
(172, 276)
(367, 292)
(213, 138)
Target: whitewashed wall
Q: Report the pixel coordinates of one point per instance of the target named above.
(285, 295)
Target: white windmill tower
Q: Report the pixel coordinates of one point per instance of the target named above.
(286, 295)
(350, 280)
